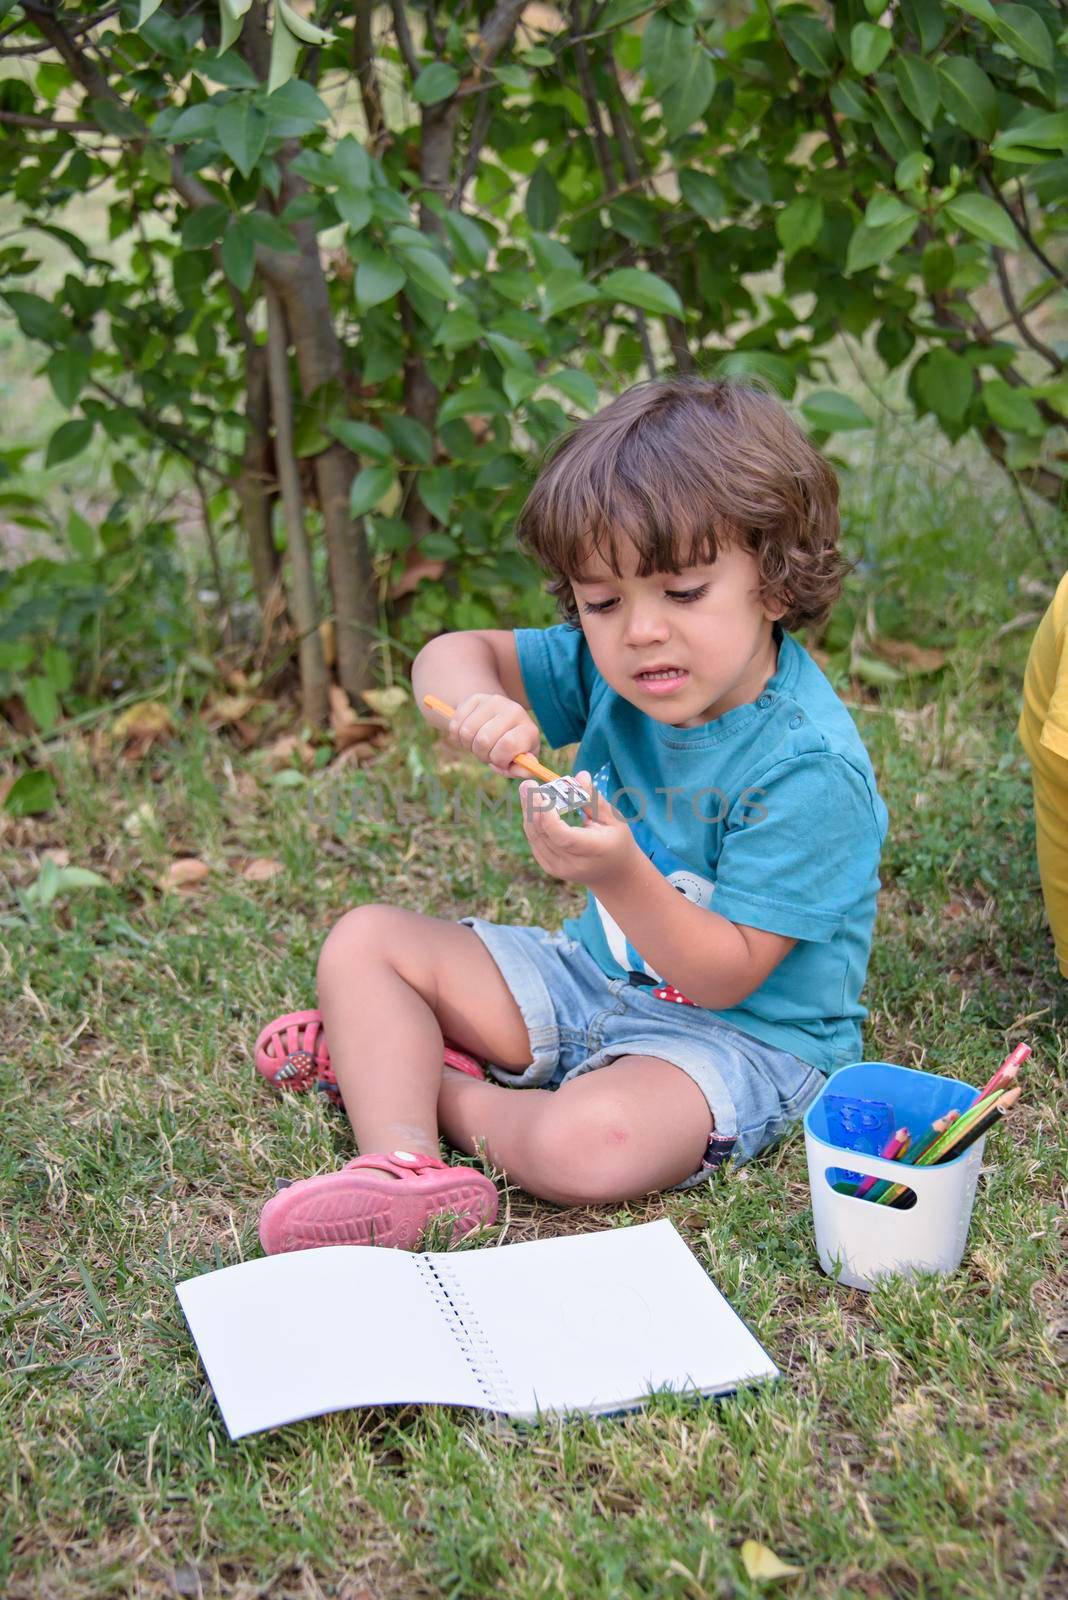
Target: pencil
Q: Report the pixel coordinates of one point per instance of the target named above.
(1006, 1072)
(894, 1148)
(914, 1157)
(530, 764)
(969, 1135)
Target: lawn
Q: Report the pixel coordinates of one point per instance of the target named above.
(917, 1444)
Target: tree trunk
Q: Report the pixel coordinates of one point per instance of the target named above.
(256, 477)
(313, 676)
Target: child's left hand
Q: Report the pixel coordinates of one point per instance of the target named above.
(591, 853)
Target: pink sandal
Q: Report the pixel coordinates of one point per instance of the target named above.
(363, 1204)
(292, 1054)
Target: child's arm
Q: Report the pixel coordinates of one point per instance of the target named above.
(713, 961)
(478, 673)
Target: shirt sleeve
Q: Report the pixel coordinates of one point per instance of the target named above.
(801, 849)
(559, 677)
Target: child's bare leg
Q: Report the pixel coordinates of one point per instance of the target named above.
(391, 984)
(626, 1130)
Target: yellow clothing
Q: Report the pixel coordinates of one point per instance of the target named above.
(1043, 731)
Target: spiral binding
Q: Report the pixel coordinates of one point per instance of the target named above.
(467, 1331)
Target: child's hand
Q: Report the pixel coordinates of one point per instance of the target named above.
(495, 729)
(591, 853)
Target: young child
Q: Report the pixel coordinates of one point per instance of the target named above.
(1043, 732)
(691, 1012)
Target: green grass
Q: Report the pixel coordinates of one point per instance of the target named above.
(916, 1446)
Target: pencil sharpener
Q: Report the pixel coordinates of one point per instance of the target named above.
(563, 795)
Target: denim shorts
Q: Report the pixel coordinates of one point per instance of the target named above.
(579, 1019)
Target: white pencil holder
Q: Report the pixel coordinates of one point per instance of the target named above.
(857, 1241)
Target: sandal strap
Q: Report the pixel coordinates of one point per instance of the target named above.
(398, 1162)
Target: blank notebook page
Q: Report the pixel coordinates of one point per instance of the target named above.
(290, 1336)
(596, 1320)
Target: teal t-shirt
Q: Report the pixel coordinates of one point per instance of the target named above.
(769, 815)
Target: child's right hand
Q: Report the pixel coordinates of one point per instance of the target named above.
(496, 730)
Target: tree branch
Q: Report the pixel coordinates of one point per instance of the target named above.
(1016, 316)
(404, 38)
(1021, 222)
(363, 49)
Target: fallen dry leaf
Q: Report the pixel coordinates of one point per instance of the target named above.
(143, 816)
(763, 1564)
(387, 702)
(186, 873)
(149, 719)
(227, 708)
(347, 726)
(362, 750)
(416, 567)
(913, 657)
(60, 857)
(260, 870)
(280, 754)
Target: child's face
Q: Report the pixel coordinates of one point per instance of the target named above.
(708, 622)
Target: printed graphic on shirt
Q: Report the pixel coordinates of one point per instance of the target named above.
(678, 873)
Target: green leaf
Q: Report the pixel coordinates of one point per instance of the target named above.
(644, 289)
(37, 318)
(562, 291)
(911, 172)
(937, 265)
(969, 96)
(429, 272)
(203, 226)
(984, 219)
(666, 45)
(1012, 408)
(798, 224)
(759, 364)
(810, 44)
(469, 244)
(1025, 33)
(1041, 133)
(702, 194)
(456, 330)
(578, 386)
(58, 668)
(241, 129)
(410, 437)
(239, 254)
(884, 209)
(285, 49)
(833, 412)
(42, 702)
(231, 14)
(68, 370)
(542, 204)
(509, 352)
(689, 95)
(473, 400)
(230, 69)
(369, 489)
(146, 9)
(869, 246)
(917, 84)
(850, 100)
(436, 82)
(69, 440)
(81, 536)
(437, 491)
(30, 794)
(869, 46)
(945, 384)
(750, 177)
(361, 438)
(377, 279)
(976, 8)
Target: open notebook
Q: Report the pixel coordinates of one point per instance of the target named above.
(591, 1322)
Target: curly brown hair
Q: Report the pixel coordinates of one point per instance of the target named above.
(681, 468)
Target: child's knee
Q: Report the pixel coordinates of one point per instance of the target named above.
(580, 1157)
(364, 933)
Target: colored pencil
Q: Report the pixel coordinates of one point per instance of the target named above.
(566, 788)
(969, 1136)
(1006, 1072)
(891, 1151)
(889, 1193)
